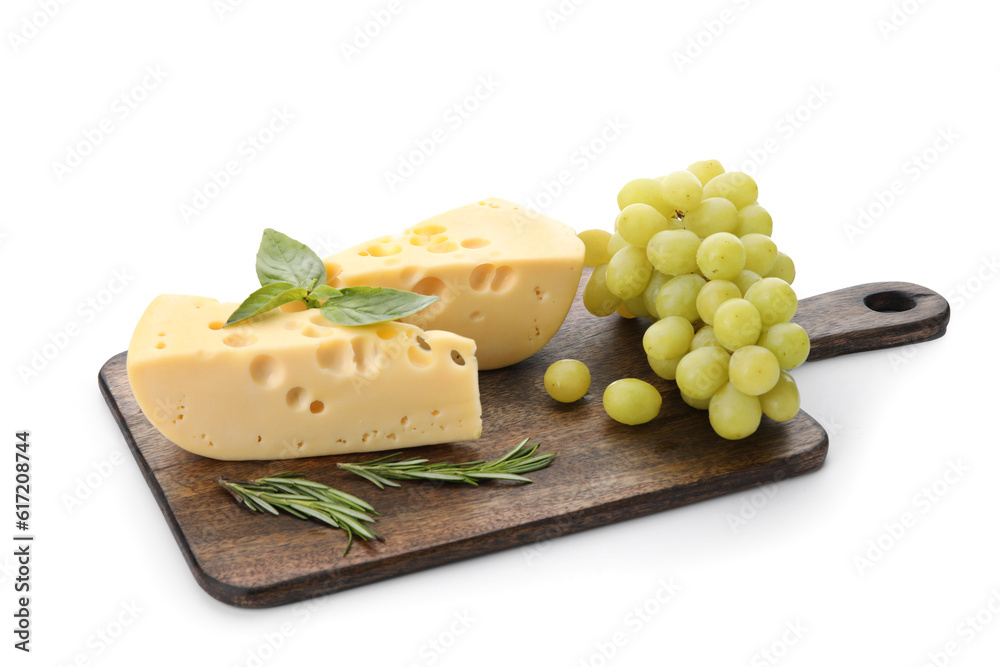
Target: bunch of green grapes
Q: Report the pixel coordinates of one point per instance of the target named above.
(692, 252)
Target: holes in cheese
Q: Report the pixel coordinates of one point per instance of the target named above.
(335, 356)
(239, 340)
(429, 230)
(443, 247)
(266, 371)
(506, 275)
(270, 390)
(297, 398)
(384, 249)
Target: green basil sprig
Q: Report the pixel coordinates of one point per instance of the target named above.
(289, 271)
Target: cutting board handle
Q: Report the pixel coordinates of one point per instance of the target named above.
(874, 316)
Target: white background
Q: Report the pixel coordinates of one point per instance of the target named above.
(826, 103)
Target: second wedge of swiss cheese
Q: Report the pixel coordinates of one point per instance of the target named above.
(291, 385)
(506, 275)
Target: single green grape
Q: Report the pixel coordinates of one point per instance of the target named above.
(656, 281)
(721, 256)
(567, 380)
(737, 187)
(733, 414)
(597, 298)
(703, 372)
(624, 311)
(705, 337)
(787, 341)
(644, 191)
(638, 222)
(784, 268)
(631, 401)
(774, 299)
(682, 190)
(698, 404)
(782, 402)
(629, 272)
(706, 170)
(712, 295)
(679, 296)
(668, 338)
(754, 370)
(595, 243)
(615, 243)
(674, 252)
(761, 253)
(753, 219)
(665, 368)
(636, 306)
(713, 215)
(745, 280)
(736, 323)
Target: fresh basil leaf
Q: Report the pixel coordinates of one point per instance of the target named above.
(283, 259)
(370, 305)
(266, 298)
(325, 292)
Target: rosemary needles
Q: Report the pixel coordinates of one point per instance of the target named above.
(287, 491)
(305, 499)
(511, 466)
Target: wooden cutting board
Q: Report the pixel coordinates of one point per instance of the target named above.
(604, 471)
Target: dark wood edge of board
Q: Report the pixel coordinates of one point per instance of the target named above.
(320, 584)
(873, 316)
(522, 535)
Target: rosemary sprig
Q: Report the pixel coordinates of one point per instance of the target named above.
(305, 499)
(511, 466)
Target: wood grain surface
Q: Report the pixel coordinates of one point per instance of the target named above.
(253, 560)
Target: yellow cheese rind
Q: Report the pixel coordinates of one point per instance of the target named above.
(292, 385)
(506, 275)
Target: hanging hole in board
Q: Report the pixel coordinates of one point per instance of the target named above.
(890, 302)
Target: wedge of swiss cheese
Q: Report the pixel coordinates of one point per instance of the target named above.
(291, 385)
(506, 275)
